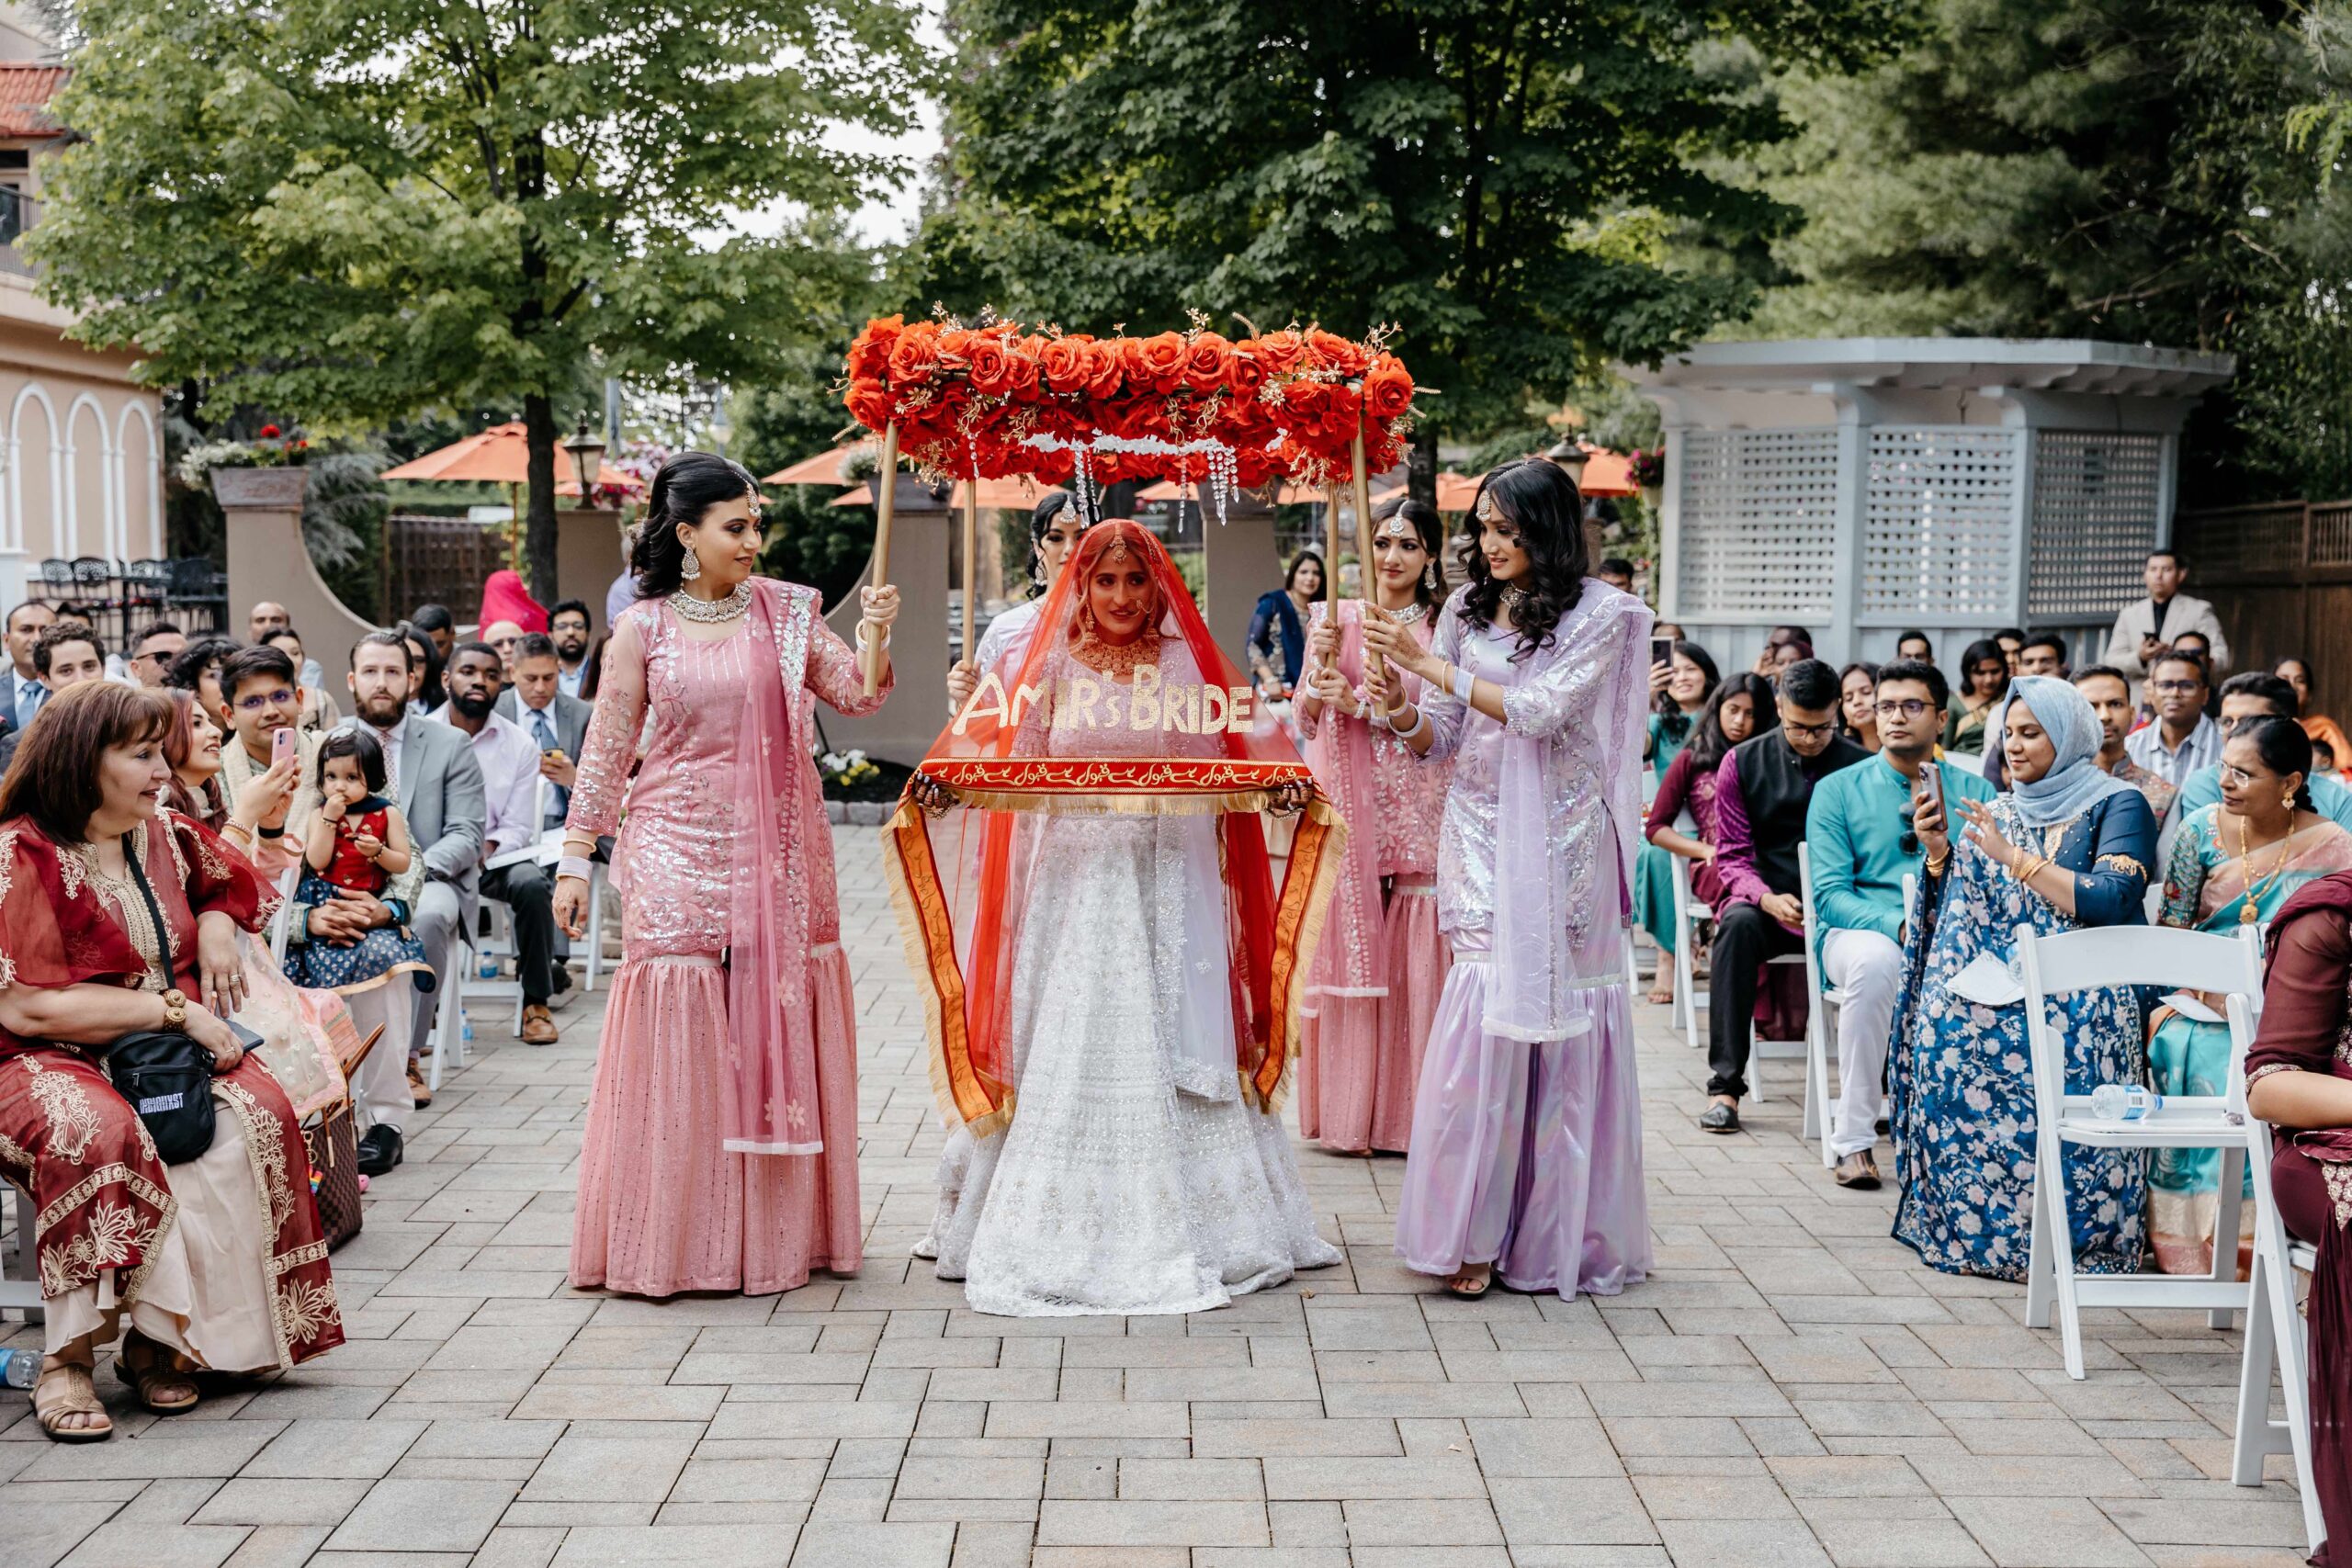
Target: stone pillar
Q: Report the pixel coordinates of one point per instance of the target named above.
(921, 545)
(588, 555)
(268, 561)
(1238, 562)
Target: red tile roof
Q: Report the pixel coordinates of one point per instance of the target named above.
(25, 92)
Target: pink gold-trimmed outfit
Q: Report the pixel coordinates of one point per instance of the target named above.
(723, 849)
(1373, 995)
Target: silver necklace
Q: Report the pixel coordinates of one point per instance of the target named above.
(709, 612)
(1409, 615)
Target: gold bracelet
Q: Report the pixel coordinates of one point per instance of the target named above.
(1936, 864)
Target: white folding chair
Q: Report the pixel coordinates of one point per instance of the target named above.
(282, 923)
(1688, 913)
(447, 1037)
(2275, 1336)
(2101, 958)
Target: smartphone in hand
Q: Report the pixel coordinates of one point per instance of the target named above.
(281, 746)
(1931, 784)
(1661, 650)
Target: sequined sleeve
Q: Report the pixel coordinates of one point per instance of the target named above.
(1571, 681)
(611, 745)
(1445, 711)
(2185, 873)
(835, 674)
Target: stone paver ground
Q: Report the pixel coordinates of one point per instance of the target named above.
(1790, 1388)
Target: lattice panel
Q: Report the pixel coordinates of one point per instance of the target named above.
(1759, 523)
(2095, 498)
(1937, 519)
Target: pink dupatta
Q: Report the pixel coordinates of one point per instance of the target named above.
(1352, 959)
(771, 1048)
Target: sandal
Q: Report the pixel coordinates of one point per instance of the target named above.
(1466, 1288)
(65, 1390)
(155, 1372)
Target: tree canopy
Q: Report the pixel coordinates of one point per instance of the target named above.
(1499, 179)
(352, 211)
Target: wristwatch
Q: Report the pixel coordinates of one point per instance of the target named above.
(175, 1009)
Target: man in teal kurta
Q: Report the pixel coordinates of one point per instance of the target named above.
(1857, 837)
(2253, 695)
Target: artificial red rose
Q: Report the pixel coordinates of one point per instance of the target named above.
(914, 357)
(1206, 359)
(869, 402)
(1243, 372)
(1279, 352)
(1305, 405)
(986, 366)
(1158, 360)
(869, 356)
(1106, 369)
(1334, 352)
(1064, 362)
(1341, 412)
(1387, 390)
(1021, 364)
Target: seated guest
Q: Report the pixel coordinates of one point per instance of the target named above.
(2297, 672)
(1859, 831)
(2109, 694)
(153, 652)
(67, 653)
(2324, 761)
(1680, 689)
(118, 918)
(439, 630)
(2232, 865)
(2198, 646)
(2182, 739)
(1761, 793)
(1984, 681)
(2044, 653)
(2012, 643)
(570, 627)
(21, 691)
(1769, 661)
(423, 669)
(438, 785)
(1616, 571)
(1913, 645)
(2297, 1081)
(503, 637)
(320, 710)
(1858, 704)
(198, 669)
(258, 698)
(557, 724)
(513, 815)
(2246, 698)
(2067, 846)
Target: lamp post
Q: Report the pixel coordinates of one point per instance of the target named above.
(587, 458)
(1571, 458)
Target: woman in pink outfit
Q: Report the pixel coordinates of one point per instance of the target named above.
(1374, 992)
(721, 1152)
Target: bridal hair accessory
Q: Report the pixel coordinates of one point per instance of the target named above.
(1399, 527)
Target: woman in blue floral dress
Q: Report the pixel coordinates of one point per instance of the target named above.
(2068, 846)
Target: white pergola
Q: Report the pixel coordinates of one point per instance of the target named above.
(1858, 487)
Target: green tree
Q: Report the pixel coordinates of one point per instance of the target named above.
(355, 210)
(2114, 169)
(1501, 178)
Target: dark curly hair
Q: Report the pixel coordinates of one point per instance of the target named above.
(683, 489)
(1052, 504)
(1539, 504)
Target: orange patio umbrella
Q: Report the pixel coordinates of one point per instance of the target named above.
(501, 456)
(1004, 495)
(824, 468)
(1455, 492)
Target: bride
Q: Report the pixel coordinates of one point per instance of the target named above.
(1128, 980)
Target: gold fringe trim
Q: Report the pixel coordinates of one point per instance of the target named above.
(913, 935)
(1132, 802)
(1324, 881)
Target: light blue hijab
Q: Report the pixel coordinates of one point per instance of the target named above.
(2076, 782)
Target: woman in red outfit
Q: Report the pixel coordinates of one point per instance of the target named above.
(2299, 1079)
(216, 1264)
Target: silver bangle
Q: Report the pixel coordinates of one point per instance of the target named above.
(1464, 682)
(574, 865)
(1420, 722)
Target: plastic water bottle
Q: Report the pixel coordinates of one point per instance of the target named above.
(19, 1368)
(2124, 1102)
(487, 967)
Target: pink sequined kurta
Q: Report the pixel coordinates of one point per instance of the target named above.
(663, 1208)
(1360, 1045)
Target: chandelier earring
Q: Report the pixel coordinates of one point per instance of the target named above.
(690, 567)
(1429, 578)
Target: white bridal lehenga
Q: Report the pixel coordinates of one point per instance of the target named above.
(1134, 1177)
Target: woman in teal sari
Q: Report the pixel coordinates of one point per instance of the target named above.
(2232, 865)
(1678, 692)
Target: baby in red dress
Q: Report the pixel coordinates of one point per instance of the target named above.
(359, 841)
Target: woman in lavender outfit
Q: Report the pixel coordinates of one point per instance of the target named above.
(1526, 1155)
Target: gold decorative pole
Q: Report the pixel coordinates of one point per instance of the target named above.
(1363, 544)
(1332, 561)
(971, 563)
(885, 496)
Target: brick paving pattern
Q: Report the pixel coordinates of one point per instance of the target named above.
(1789, 1389)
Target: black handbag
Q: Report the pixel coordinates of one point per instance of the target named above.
(165, 1075)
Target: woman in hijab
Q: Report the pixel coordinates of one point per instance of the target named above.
(2068, 846)
(504, 598)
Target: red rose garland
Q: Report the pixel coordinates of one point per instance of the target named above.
(992, 402)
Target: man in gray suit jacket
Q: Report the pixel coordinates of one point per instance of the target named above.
(556, 722)
(438, 787)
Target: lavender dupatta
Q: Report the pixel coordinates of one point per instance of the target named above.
(1574, 718)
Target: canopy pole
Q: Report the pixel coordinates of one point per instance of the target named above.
(1364, 546)
(971, 563)
(1331, 564)
(885, 496)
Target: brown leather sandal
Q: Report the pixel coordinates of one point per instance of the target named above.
(155, 1373)
(64, 1389)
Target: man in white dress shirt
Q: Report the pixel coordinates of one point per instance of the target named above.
(2182, 739)
(510, 770)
